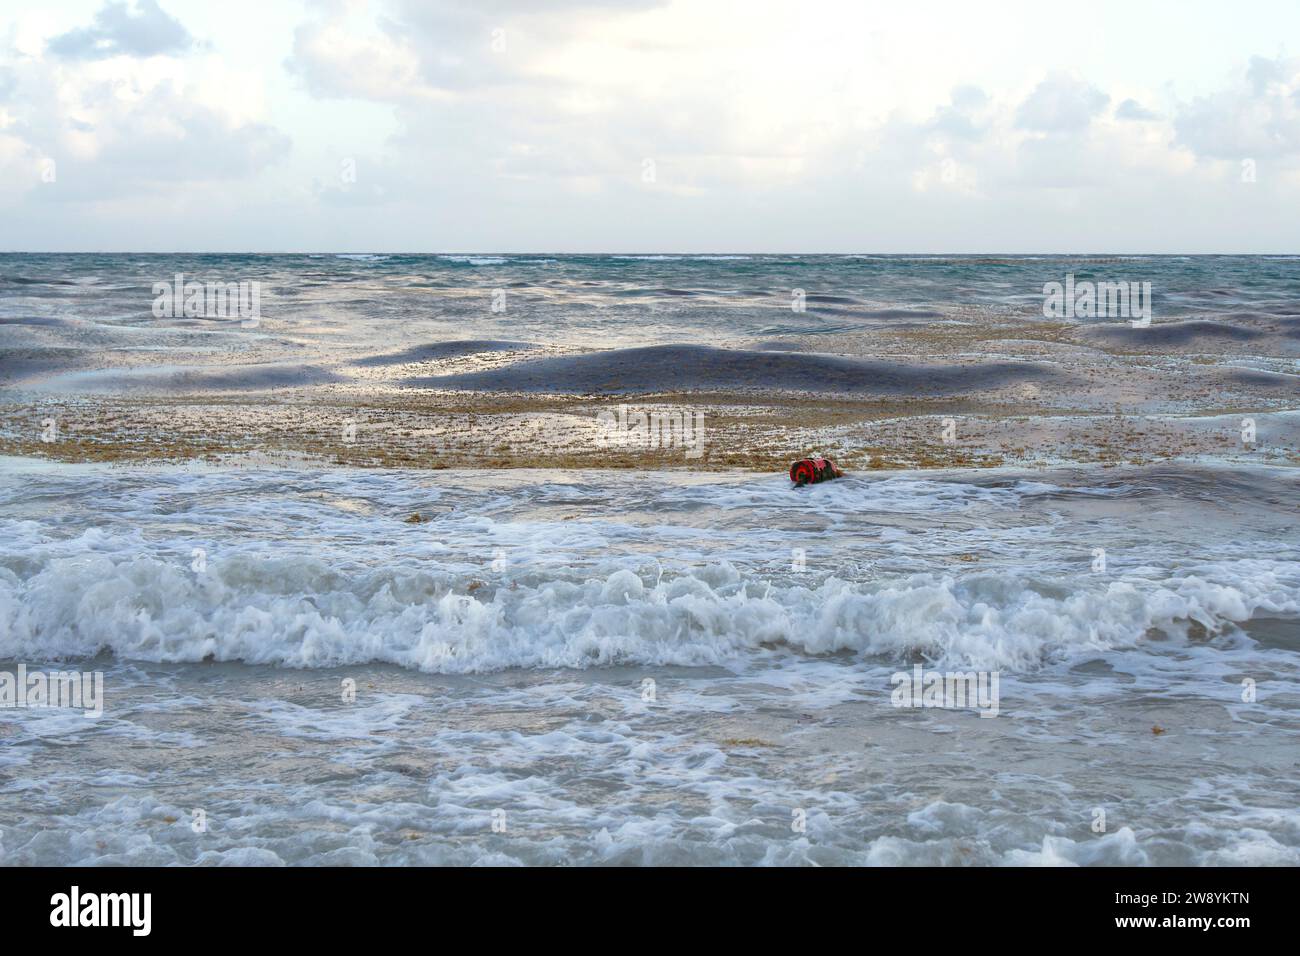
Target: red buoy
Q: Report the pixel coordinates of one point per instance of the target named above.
(809, 471)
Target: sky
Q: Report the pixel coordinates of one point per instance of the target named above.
(1144, 126)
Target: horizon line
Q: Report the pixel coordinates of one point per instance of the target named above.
(634, 253)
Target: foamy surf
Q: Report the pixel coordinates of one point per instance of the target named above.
(170, 566)
(650, 668)
(299, 611)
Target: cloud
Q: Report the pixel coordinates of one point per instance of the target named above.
(123, 127)
(481, 106)
(431, 49)
(118, 31)
(167, 137)
(960, 117)
(1257, 116)
(556, 124)
(1061, 104)
(1133, 110)
(513, 124)
(159, 142)
(341, 57)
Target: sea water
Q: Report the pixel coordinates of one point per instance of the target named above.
(558, 667)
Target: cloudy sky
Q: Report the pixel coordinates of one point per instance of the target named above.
(638, 125)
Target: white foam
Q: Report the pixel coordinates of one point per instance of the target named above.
(299, 611)
(639, 581)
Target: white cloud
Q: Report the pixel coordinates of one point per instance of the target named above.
(511, 125)
(348, 55)
(1257, 116)
(1131, 109)
(1061, 104)
(119, 30)
(119, 119)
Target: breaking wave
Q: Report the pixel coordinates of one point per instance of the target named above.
(299, 611)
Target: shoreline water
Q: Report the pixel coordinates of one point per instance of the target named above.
(652, 667)
(374, 582)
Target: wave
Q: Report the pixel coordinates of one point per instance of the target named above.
(656, 368)
(433, 351)
(190, 379)
(297, 610)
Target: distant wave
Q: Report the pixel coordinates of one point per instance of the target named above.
(668, 367)
(678, 258)
(441, 350)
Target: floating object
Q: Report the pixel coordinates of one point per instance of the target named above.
(809, 471)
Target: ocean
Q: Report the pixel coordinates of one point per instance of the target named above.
(463, 657)
(633, 299)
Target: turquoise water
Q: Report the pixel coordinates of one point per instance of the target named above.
(632, 299)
